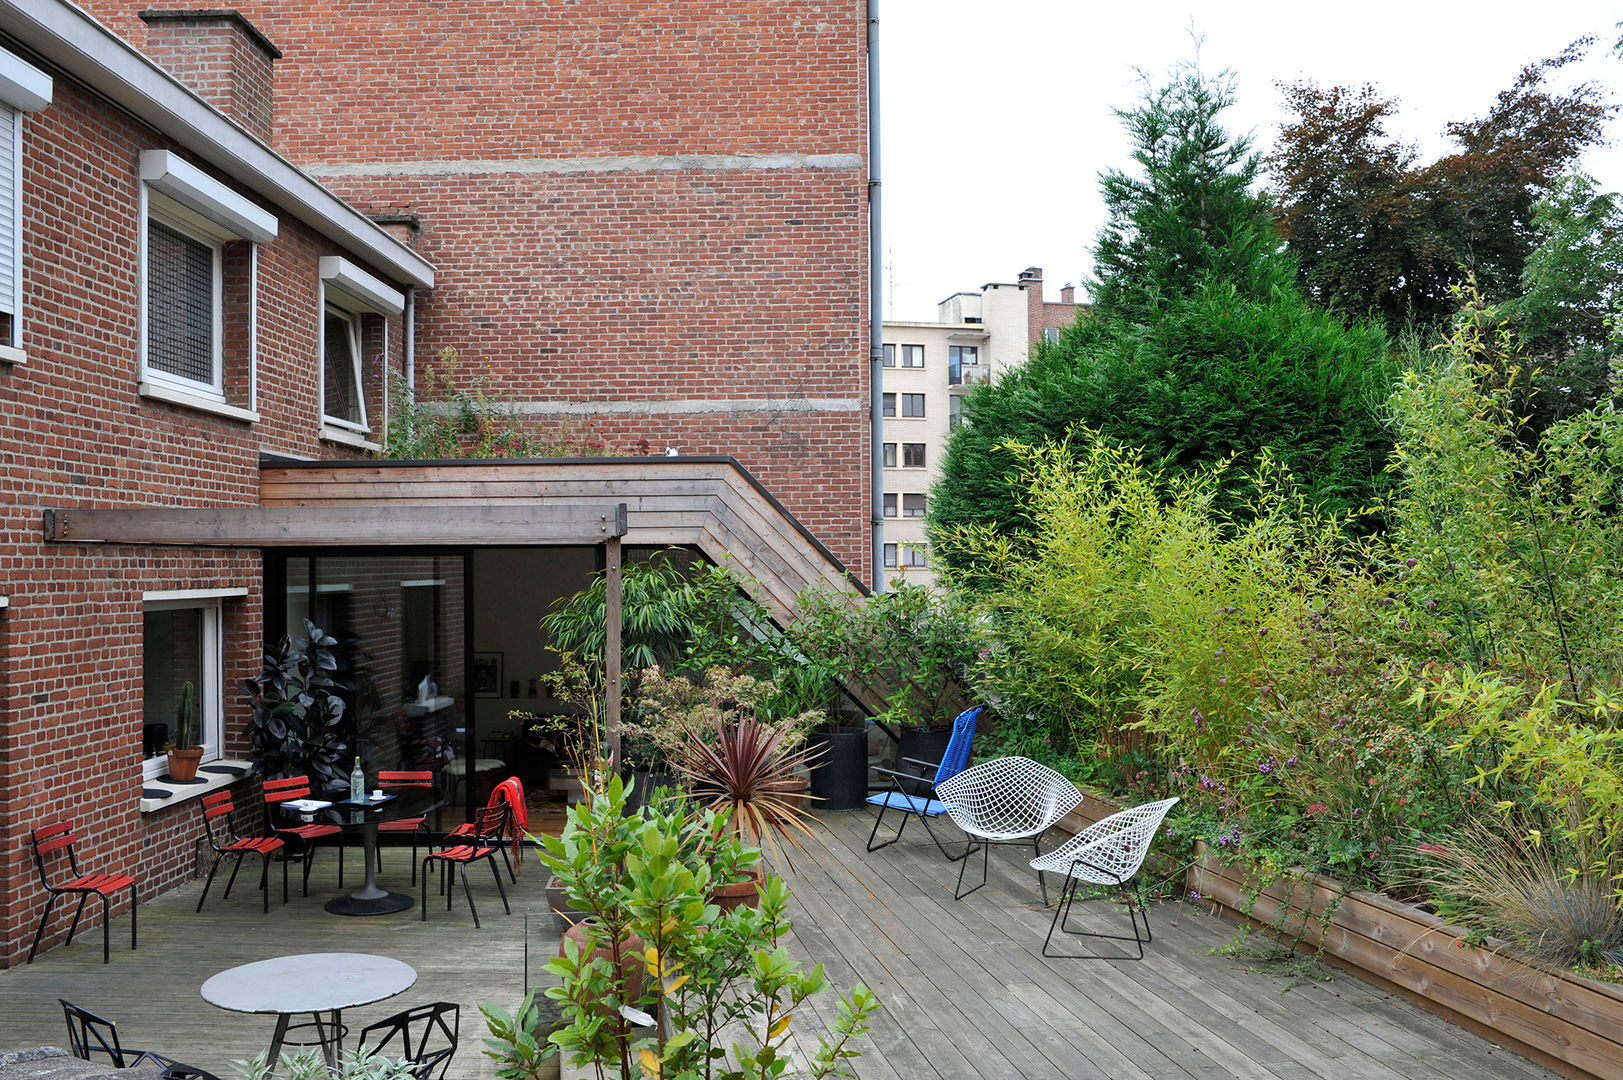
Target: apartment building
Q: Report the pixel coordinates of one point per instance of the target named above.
(928, 367)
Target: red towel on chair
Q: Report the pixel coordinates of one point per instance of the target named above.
(511, 791)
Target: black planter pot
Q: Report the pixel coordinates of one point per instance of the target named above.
(839, 777)
(928, 746)
(643, 785)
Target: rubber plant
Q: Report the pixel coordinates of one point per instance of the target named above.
(298, 710)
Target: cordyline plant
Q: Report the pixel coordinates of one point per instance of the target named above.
(729, 754)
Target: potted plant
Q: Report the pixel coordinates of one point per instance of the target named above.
(296, 727)
(721, 984)
(184, 755)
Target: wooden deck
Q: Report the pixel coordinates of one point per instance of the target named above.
(966, 991)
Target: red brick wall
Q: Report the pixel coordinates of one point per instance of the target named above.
(651, 279)
(74, 432)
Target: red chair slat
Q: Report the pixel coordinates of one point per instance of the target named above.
(287, 789)
(394, 778)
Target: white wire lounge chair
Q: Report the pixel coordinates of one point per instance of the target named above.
(1108, 852)
(1008, 800)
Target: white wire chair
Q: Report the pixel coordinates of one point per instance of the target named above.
(1009, 800)
(1108, 852)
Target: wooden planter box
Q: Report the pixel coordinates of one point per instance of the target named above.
(1569, 1024)
(1564, 1022)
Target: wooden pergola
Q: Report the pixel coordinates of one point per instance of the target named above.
(711, 504)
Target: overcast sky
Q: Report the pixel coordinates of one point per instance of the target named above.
(996, 118)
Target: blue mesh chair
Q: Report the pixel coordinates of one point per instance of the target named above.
(914, 795)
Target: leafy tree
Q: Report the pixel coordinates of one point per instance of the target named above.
(1569, 317)
(1376, 231)
(1201, 347)
(1191, 211)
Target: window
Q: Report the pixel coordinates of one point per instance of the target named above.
(353, 301)
(23, 89)
(1051, 334)
(959, 357)
(912, 505)
(890, 504)
(912, 356)
(180, 644)
(912, 404)
(184, 334)
(913, 455)
(906, 555)
(889, 405)
(890, 356)
(955, 412)
(341, 397)
(198, 269)
(890, 455)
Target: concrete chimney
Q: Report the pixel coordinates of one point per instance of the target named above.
(221, 56)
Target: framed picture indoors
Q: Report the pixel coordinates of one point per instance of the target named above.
(487, 674)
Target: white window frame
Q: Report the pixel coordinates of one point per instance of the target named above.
(24, 89)
(193, 227)
(351, 291)
(185, 198)
(352, 320)
(210, 696)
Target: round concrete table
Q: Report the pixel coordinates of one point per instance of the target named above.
(311, 983)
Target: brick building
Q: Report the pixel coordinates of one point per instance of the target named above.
(617, 211)
(649, 220)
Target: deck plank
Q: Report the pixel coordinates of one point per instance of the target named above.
(967, 993)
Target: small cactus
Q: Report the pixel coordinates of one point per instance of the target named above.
(183, 717)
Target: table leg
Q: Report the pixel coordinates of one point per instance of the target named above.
(332, 1039)
(275, 1052)
(369, 899)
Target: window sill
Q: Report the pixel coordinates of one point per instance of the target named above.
(12, 355)
(160, 392)
(357, 439)
(163, 794)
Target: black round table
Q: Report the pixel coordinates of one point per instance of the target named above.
(369, 899)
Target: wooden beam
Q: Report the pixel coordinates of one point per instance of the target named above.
(333, 526)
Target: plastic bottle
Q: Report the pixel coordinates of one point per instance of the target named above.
(357, 783)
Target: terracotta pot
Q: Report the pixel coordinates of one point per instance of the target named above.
(627, 955)
(738, 893)
(183, 763)
(792, 791)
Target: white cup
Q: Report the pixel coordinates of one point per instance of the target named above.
(378, 794)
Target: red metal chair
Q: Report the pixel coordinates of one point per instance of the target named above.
(470, 832)
(301, 839)
(49, 839)
(416, 827)
(486, 823)
(220, 805)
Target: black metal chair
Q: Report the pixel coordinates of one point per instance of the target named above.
(415, 1029)
(89, 1033)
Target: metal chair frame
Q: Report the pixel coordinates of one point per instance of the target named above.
(89, 1033)
(59, 837)
(916, 804)
(1108, 852)
(300, 839)
(218, 805)
(426, 1064)
(1008, 800)
(473, 832)
(417, 827)
(463, 854)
